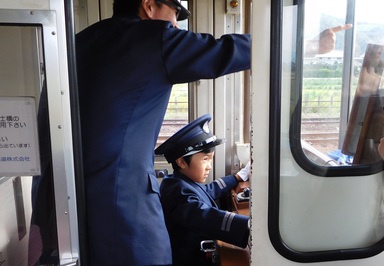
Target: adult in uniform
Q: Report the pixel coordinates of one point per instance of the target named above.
(191, 214)
(126, 67)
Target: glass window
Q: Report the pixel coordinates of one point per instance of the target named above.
(339, 127)
(326, 101)
(322, 81)
(177, 111)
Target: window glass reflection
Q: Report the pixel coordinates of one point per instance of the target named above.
(330, 80)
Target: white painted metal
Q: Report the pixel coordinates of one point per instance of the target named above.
(262, 252)
(55, 55)
(316, 213)
(228, 100)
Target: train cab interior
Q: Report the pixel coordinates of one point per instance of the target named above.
(309, 120)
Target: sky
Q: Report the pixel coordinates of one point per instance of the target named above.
(367, 10)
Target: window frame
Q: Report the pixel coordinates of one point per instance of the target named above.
(297, 152)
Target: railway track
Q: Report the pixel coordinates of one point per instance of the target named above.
(320, 130)
(313, 130)
(169, 127)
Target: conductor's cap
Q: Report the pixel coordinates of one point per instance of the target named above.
(190, 139)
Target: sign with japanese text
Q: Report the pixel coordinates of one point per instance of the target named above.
(19, 150)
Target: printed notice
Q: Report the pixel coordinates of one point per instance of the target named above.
(19, 150)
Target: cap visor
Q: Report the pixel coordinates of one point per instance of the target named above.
(184, 14)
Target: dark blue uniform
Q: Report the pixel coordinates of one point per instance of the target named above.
(192, 216)
(126, 69)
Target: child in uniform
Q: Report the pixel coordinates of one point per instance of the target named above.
(191, 213)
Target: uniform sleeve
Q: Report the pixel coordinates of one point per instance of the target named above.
(190, 56)
(184, 207)
(219, 187)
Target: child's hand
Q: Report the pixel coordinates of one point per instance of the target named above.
(245, 173)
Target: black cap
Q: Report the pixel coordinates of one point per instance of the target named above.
(190, 139)
(184, 13)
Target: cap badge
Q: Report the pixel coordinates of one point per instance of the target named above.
(206, 127)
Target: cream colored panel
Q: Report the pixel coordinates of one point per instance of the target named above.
(93, 9)
(20, 66)
(25, 4)
(80, 14)
(106, 8)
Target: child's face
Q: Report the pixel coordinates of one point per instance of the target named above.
(199, 167)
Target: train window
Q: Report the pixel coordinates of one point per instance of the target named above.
(321, 209)
(177, 113)
(337, 124)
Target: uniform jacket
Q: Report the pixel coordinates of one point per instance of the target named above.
(192, 215)
(126, 68)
